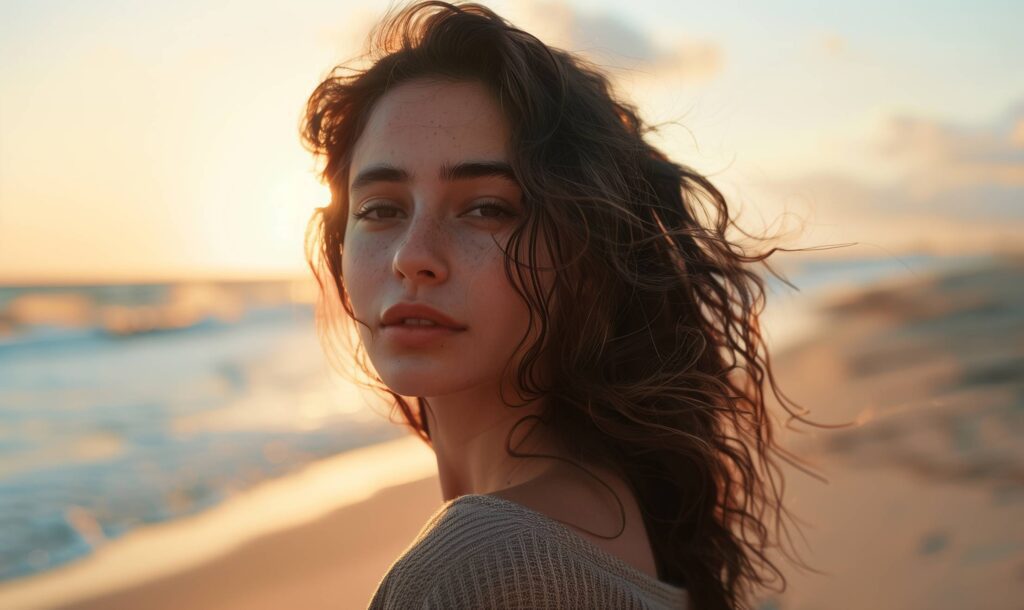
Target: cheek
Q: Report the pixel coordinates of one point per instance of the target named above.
(501, 312)
(363, 264)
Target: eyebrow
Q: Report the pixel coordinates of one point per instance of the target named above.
(460, 171)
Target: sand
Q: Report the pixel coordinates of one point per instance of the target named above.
(334, 562)
(922, 508)
(925, 496)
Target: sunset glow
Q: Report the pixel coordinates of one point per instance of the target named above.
(146, 142)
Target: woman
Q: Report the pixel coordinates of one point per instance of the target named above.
(533, 286)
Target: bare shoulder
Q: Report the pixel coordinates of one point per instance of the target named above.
(572, 497)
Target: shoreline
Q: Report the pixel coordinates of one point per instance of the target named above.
(278, 505)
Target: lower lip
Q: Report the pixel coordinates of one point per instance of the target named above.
(418, 336)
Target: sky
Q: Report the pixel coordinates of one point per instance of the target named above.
(149, 141)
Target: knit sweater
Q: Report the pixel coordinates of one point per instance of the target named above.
(481, 551)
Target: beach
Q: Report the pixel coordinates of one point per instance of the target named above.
(321, 538)
(920, 508)
(333, 562)
(925, 494)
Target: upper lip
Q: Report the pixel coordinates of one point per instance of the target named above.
(399, 311)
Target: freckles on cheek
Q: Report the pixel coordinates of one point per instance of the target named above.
(355, 265)
(373, 261)
(483, 248)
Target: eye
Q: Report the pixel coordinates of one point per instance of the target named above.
(494, 210)
(388, 212)
(368, 209)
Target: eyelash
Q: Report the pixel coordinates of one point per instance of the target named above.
(383, 206)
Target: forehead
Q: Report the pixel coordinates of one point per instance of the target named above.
(423, 124)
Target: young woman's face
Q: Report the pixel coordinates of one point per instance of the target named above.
(431, 197)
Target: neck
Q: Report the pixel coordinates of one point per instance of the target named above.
(470, 441)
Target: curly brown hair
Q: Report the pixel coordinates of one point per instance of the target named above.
(663, 379)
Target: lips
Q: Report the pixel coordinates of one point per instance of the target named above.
(398, 312)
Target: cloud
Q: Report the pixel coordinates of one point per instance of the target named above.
(617, 45)
(947, 155)
(955, 185)
(961, 170)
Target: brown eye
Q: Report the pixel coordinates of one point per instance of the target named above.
(494, 211)
(388, 209)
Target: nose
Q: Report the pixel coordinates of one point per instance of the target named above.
(419, 258)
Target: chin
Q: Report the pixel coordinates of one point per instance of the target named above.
(423, 382)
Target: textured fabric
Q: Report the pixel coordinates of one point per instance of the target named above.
(480, 551)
